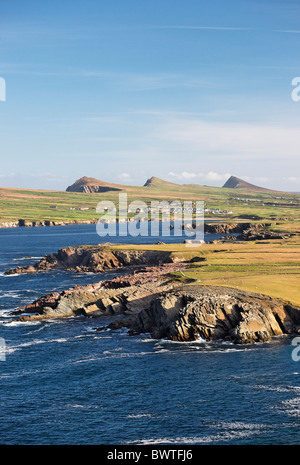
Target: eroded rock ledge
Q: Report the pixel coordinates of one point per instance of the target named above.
(214, 313)
(150, 301)
(125, 294)
(95, 259)
(245, 231)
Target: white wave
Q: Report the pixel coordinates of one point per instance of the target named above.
(112, 351)
(140, 415)
(232, 432)
(286, 388)
(20, 259)
(148, 339)
(11, 275)
(207, 347)
(14, 348)
(11, 294)
(20, 323)
(5, 313)
(291, 407)
(107, 355)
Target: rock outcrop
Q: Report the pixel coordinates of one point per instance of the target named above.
(236, 183)
(125, 294)
(92, 185)
(149, 301)
(159, 183)
(258, 233)
(95, 259)
(245, 231)
(227, 228)
(214, 313)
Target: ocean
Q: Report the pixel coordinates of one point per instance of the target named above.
(64, 383)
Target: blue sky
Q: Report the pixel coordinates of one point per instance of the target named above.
(191, 91)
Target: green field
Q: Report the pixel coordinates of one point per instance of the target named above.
(39, 205)
(264, 267)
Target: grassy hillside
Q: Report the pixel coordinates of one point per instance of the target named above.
(36, 205)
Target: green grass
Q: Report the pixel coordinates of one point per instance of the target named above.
(35, 205)
(271, 268)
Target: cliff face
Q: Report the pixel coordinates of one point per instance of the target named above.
(94, 259)
(159, 183)
(125, 294)
(236, 183)
(213, 313)
(148, 301)
(92, 185)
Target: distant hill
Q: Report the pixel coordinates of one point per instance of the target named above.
(236, 183)
(92, 185)
(157, 182)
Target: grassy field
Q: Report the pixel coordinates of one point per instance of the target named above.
(39, 205)
(269, 267)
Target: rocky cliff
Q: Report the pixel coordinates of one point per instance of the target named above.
(213, 313)
(125, 294)
(245, 231)
(149, 301)
(236, 183)
(95, 259)
(92, 185)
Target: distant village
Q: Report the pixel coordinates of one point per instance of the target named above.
(179, 210)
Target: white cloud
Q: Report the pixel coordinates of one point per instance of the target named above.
(262, 179)
(210, 176)
(124, 176)
(292, 179)
(233, 140)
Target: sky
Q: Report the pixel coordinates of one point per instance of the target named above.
(191, 91)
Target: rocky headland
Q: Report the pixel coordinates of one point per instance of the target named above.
(150, 301)
(214, 313)
(95, 259)
(151, 298)
(125, 294)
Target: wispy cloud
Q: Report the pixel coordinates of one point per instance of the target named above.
(287, 31)
(204, 28)
(235, 140)
(136, 81)
(293, 179)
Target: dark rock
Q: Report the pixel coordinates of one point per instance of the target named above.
(213, 313)
(95, 259)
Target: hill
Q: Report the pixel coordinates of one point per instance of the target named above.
(92, 185)
(158, 183)
(236, 183)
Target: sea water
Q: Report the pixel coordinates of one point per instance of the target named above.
(63, 382)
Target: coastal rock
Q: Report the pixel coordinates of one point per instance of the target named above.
(151, 302)
(245, 231)
(127, 294)
(214, 313)
(95, 259)
(226, 228)
(256, 233)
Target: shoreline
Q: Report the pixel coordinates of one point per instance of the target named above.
(21, 223)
